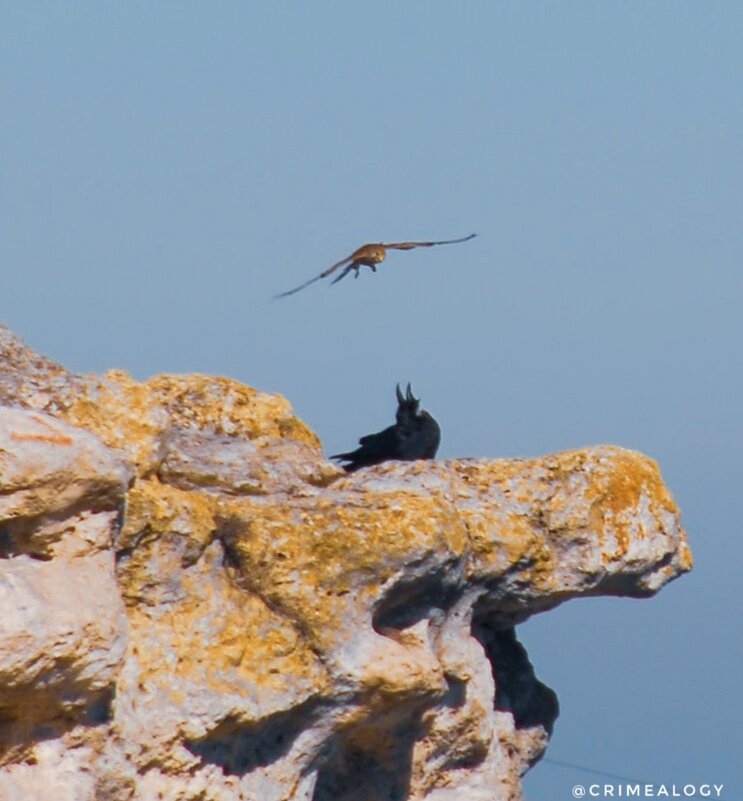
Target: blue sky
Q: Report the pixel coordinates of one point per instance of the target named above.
(166, 168)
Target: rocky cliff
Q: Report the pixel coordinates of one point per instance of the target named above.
(197, 605)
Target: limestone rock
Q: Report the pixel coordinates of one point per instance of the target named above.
(63, 627)
(199, 606)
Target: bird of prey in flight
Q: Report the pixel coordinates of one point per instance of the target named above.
(369, 256)
(415, 435)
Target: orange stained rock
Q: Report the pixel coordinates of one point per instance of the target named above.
(50, 433)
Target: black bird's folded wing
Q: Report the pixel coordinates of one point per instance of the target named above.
(375, 448)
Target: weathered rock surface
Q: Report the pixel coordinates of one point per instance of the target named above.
(197, 605)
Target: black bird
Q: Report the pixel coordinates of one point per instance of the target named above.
(415, 435)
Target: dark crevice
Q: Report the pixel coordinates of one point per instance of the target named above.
(239, 748)
(517, 689)
(188, 549)
(135, 542)
(456, 693)
(118, 525)
(369, 761)
(228, 533)
(17, 539)
(21, 729)
(100, 709)
(6, 542)
(411, 600)
(26, 535)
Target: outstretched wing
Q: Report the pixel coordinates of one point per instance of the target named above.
(411, 245)
(323, 274)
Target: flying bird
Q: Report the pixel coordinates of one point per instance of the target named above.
(369, 256)
(415, 435)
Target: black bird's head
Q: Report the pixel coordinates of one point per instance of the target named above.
(407, 405)
(418, 434)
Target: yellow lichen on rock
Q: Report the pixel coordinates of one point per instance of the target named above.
(134, 416)
(629, 500)
(118, 409)
(214, 627)
(304, 560)
(226, 406)
(164, 530)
